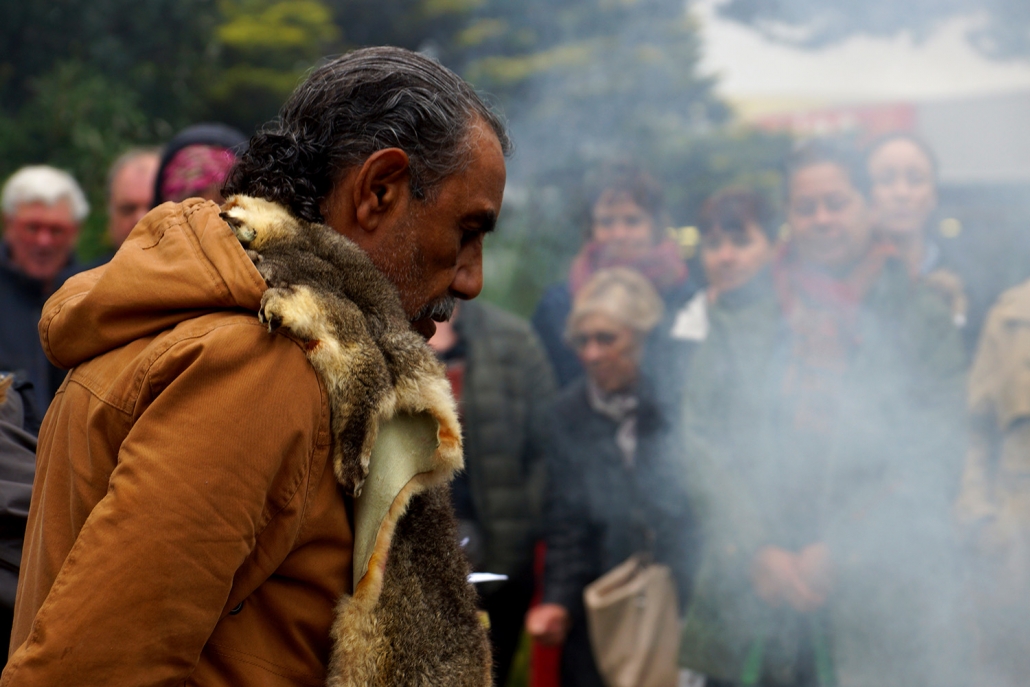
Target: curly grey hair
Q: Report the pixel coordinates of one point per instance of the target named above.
(353, 106)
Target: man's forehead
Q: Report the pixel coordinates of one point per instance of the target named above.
(138, 168)
(38, 210)
(820, 178)
(484, 178)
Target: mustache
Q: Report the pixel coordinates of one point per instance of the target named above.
(439, 310)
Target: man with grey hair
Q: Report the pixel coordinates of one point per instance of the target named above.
(189, 524)
(43, 210)
(130, 191)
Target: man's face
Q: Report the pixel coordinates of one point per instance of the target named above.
(904, 190)
(624, 228)
(733, 258)
(41, 238)
(132, 195)
(830, 221)
(436, 252)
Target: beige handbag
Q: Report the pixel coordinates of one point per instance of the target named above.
(633, 619)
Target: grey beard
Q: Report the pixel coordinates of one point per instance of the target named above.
(439, 310)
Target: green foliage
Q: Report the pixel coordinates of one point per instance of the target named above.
(158, 49)
(579, 80)
(82, 80)
(79, 120)
(587, 80)
(588, 77)
(265, 47)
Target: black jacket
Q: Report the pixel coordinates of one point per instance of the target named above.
(18, 428)
(21, 302)
(598, 511)
(508, 388)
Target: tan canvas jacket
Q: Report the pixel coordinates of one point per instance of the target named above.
(186, 526)
(995, 496)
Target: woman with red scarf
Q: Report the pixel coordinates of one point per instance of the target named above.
(823, 443)
(626, 229)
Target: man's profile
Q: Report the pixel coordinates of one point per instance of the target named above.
(188, 525)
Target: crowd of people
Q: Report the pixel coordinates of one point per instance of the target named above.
(812, 435)
(791, 432)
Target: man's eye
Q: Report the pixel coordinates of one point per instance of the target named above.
(885, 178)
(804, 208)
(836, 203)
(711, 244)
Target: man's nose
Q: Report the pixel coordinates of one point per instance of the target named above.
(622, 230)
(45, 238)
(725, 254)
(590, 351)
(904, 190)
(823, 217)
(468, 278)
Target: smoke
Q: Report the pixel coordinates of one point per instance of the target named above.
(864, 457)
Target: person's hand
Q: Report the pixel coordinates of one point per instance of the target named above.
(776, 577)
(816, 568)
(548, 624)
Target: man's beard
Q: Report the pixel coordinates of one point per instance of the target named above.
(409, 273)
(438, 310)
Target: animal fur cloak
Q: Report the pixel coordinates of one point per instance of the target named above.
(412, 619)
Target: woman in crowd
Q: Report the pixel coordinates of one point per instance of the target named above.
(738, 239)
(611, 491)
(626, 228)
(196, 162)
(822, 444)
(903, 173)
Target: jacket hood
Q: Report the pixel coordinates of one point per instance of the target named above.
(180, 261)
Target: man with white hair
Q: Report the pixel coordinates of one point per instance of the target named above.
(43, 210)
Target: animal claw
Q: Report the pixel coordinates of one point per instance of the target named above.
(244, 234)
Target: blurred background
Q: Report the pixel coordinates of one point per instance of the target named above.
(707, 93)
(704, 93)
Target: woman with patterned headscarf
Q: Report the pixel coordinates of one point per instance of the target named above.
(196, 162)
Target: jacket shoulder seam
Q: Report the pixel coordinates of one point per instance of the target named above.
(166, 347)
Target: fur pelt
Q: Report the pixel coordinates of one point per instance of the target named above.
(412, 618)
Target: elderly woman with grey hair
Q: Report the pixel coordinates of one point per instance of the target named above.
(612, 489)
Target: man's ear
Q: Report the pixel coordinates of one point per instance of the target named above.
(382, 185)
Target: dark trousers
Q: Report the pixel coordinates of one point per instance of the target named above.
(578, 667)
(507, 605)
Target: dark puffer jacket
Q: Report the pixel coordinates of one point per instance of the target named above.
(598, 510)
(508, 387)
